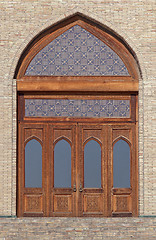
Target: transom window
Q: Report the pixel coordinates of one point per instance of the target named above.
(76, 52)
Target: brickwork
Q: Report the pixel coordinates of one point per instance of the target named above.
(134, 20)
(78, 228)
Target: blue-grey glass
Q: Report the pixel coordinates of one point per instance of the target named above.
(33, 164)
(83, 108)
(92, 165)
(121, 164)
(76, 52)
(62, 164)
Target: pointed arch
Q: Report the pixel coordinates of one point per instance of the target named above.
(62, 138)
(31, 138)
(92, 138)
(62, 163)
(122, 163)
(92, 88)
(33, 163)
(92, 163)
(103, 77)
(122, 138)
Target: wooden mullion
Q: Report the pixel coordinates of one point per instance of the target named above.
(109, 170)
(47, 170)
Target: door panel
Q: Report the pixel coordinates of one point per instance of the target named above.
(62, 187)
(76, 173)
(31, 194)
(92, 200)
(123, 197)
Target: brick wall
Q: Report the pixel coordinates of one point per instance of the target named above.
(134, 20)
(78, 228)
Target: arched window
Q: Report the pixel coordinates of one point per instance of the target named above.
(121, 164)
(33, 164)
(76, 52)
(92, 165)
(62, 164)
(76, 49)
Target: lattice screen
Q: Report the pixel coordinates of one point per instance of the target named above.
(76, 53)
(77, 108)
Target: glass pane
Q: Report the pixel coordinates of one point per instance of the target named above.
(76, 52)
(121, 165)
(33, 164)
(62, 165)
(83, 108)
(92, 165)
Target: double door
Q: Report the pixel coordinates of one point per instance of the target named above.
(66, 169)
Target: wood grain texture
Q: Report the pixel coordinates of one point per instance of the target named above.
(79, 85)
(104, 201)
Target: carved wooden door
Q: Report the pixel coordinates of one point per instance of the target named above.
(92, 152)
(47, 169)
(32, 185)
(75, 169)
(122, 180)
(62, 169)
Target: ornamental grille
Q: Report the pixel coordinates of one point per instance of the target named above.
(77, 108)
(76, 52)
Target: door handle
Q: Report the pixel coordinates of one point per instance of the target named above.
(74, 188)
(80, 188)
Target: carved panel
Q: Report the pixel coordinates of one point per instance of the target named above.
(33, 203)
(37, 132)
(92, 203)
(121, 132)
(62, 203)
(63, 132)
(122, 203)
(87, 133)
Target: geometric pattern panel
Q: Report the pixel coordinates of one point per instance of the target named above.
(77, 108)
(76, 52)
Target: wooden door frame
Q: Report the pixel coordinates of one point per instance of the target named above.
(84, 85)
(117, 123)
(27, 192)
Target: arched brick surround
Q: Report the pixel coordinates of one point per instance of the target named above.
(12, 66)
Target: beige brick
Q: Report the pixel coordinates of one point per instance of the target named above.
(134, 20)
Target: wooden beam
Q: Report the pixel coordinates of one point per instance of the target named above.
(47, 85)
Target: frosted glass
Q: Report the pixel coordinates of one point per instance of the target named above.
(33, 164)
(121, 164)
(92, 165)
(62, 165)
(76, 52)
(73, 108)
